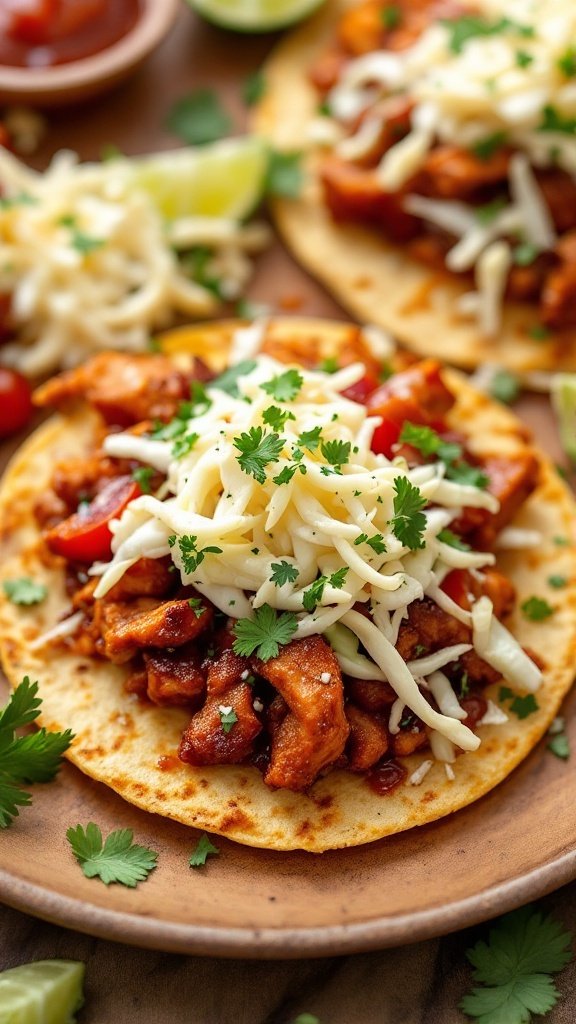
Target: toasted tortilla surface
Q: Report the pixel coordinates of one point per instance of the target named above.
(132, 746)
(375, 280)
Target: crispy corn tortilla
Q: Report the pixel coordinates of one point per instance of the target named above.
(375, 280)
(121, 741)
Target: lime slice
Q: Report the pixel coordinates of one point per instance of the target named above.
(564, 405)
(255, 15)
(225, 179)
(44, 992)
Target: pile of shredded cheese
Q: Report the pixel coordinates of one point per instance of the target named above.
(513, 83)
(89, 263)
(319, 509)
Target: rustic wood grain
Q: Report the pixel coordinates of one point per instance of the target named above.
(418, 984)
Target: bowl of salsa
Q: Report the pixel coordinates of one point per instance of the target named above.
(62, 51)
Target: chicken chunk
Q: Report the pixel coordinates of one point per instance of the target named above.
(175, 679)
(126, 627)
(314, 732)
(368, 739)
(206, 741)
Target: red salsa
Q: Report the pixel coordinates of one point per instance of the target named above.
(42, 33)
(384, 777)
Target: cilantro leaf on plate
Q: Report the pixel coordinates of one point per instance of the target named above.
(24, 591)
(204, 849)
(199, 118)
(408, 522)
(116, 859)
(264, 634)
(537, 609)
(523, 949)
(32, 758)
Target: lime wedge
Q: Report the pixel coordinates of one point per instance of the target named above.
(255, 15)
(225, 179)
(44, 992)
(564, 405)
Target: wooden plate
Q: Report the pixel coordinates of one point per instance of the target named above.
(512, 846)
(509, 848)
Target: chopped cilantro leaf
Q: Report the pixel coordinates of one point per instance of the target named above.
(183, 445)
(537, 609)
(24, 591)
(524, 254)
(285, 475)
(524, 706)
(204, 849)
(505, 386)
(428, 442)
(524, 59)
(285, 386)
(199, 118)
(408, 522)
(228, 718)
(313, 595)
(264, 634)
(330, 365)
(557, 582)
(276, 418)
(552, 121)
(228, 381)
(471, 476)
(22, 199)
(361, 539)
(191, 555)
(559, 744)
(197, 606)
(447, 537)
(469, 26)
(284, 176)
(85, 244)
(561, 542)
(257, 449)
(567, 62)
(485, 148)
(118, 859)
(310, 439)
(513, 968)
(539, 332)
(143, 475)
(391, 16)
(489, 211)
(254, 88)
(283, 572)
(336, 453)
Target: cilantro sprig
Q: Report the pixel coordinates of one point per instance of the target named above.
(314, 593)
(285, 386)
(116, 859)
(429, 443)
(204, 849)
(25, 759)
(192, 555)
(513, 968)
(264, 634)
(283, 572)
(257, 449)
(522, 707)
(408, 522)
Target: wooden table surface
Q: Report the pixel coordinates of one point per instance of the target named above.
(418, 984)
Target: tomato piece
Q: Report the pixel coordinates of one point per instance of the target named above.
(15, 402)
(360, 391)
(30, 22)
(457, 585)
(85, 536)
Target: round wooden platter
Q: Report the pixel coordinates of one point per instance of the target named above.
(507, 849)
(512, 846)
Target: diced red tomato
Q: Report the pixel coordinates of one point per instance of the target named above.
(85, 536)
(457, 585)
(15, 402)
(364, 387)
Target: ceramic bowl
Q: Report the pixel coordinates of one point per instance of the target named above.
(85, 78)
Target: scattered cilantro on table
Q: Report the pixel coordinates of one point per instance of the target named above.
(24, 591)
(199, 118)
(514, 966)
(204, 849)
(559, 744)
(116, 859)
(35, 757)
(264, 634)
